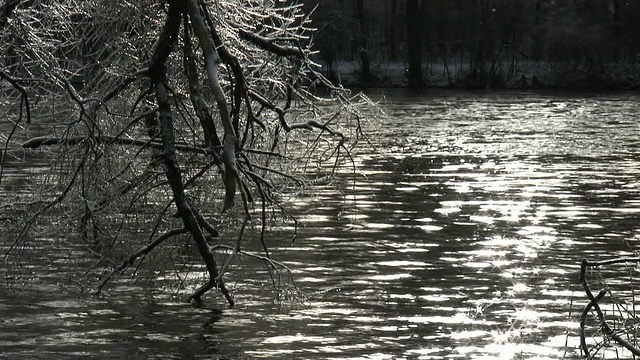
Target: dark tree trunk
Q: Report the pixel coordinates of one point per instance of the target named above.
(415, 40)
(480, 76)
(617, 53)
(363, 51)
(392, 43)
(537, 17)
(537, 48)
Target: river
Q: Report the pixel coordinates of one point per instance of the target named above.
(460, 236)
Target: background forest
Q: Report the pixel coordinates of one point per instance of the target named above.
(480, 43)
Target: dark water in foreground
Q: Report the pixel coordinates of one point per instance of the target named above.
(460, 238)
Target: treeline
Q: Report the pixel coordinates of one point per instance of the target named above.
(480, 43)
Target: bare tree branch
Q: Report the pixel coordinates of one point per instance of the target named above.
(270, 44)
(140, 252)
(39, 141)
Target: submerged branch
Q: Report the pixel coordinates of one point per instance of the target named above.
(236, 248)
(605, 327)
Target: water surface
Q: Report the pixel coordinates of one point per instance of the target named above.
(460, 236)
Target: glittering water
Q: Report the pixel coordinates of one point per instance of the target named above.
(460, 237)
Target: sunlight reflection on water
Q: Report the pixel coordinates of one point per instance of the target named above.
(460, 238)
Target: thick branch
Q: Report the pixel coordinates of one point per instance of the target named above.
(197, 98)
(158, 78)
(165, 43)
(240, 89)
(270, 44)
(175, 180)
(212, 59)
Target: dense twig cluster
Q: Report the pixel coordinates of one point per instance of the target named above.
(140, 77)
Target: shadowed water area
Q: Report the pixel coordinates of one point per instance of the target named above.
(460, 236)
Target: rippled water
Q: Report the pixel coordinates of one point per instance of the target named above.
(460, 237)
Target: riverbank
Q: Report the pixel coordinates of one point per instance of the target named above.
(523, 75)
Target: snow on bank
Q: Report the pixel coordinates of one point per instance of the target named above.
(524, 74)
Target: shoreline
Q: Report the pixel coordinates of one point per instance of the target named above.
(524, 76)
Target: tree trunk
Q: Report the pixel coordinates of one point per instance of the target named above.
(415, 20)
(391, 18)
(617, 46)
(363, 51)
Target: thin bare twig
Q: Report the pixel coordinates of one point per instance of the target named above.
(140, 252)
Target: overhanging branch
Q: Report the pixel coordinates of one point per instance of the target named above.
(39, 141)
(270, 44)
